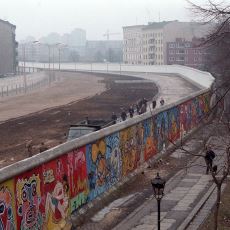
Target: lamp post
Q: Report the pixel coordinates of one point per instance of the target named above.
(158, 185)
(24, 63)
(60, 46)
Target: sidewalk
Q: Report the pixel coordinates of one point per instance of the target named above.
(181, 207)
(185, 193)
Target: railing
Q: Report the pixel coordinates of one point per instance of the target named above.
(22, 84)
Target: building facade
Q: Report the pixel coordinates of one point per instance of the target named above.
(147, 44)
(8, 48)
(189, 53)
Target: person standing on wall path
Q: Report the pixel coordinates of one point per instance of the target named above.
(162, 101)
(131, 111)
(209, 157)
(123, 115)
(154, 103)
(114, 118)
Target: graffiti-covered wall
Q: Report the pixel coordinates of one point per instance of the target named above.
(45, 196)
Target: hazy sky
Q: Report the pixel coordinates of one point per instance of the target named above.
(40, 17)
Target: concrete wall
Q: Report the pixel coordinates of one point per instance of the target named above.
(42, 191)
(7, 48)
(200, 78)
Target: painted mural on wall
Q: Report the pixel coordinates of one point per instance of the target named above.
(28, 200)
(185, 117)
(44, 197)
(130, 149)
(149, 138)
(7, 206)
(113, 159)
(78, 178)
(55, 199)
(103, 164)
(174, 124)
(162, 130)
(204, 101)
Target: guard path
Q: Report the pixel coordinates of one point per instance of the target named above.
(185, 194)
(182, 194)
(171, 87)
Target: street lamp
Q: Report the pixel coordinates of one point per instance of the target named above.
(158, 185)
(60, 46)
(24, 63)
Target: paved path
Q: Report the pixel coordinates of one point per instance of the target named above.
(171, 87)
(183, 192)
(176, 205)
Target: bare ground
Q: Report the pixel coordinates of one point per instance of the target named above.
(101, 94)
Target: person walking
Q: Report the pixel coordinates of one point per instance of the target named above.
(144, 101)
(123, 115)
(209, 157)
(114, 118)
(154, 103)
(131, 111)
(162, 101)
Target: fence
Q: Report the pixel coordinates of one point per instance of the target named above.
(41, 192)
(21, 84)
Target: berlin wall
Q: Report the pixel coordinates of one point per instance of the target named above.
(42, 192)
(44, 197)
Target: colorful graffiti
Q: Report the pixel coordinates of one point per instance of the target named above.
(149, 138)
(78, 178)
(130, 149)
(28, 190)
(55, 198)
(173, 124)
(7, 206)
(113, 159)
(103, 164)
(162, 130)
(44, 197)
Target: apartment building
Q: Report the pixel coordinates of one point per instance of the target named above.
(147, 44)
(8, 48)
(183, 52)
(133, 45)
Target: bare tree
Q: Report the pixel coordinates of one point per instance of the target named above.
(219, 173)
(217, 42)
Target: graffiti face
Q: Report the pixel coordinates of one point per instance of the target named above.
(98, 157)
(6, 210)
(55, 200)
(28, 196)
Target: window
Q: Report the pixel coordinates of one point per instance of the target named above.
(187, 45)
(171, 52)
(171, 59)
(195, 59)
(196, 52)
(172, 45)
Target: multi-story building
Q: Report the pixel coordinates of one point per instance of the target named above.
(187, 53)
(132, 45)
(8, 48)
(147, 44)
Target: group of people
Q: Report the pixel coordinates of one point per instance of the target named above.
(140, 107)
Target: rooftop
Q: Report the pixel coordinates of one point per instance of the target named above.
(8, 23)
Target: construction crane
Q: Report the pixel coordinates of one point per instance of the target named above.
(107, 34)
